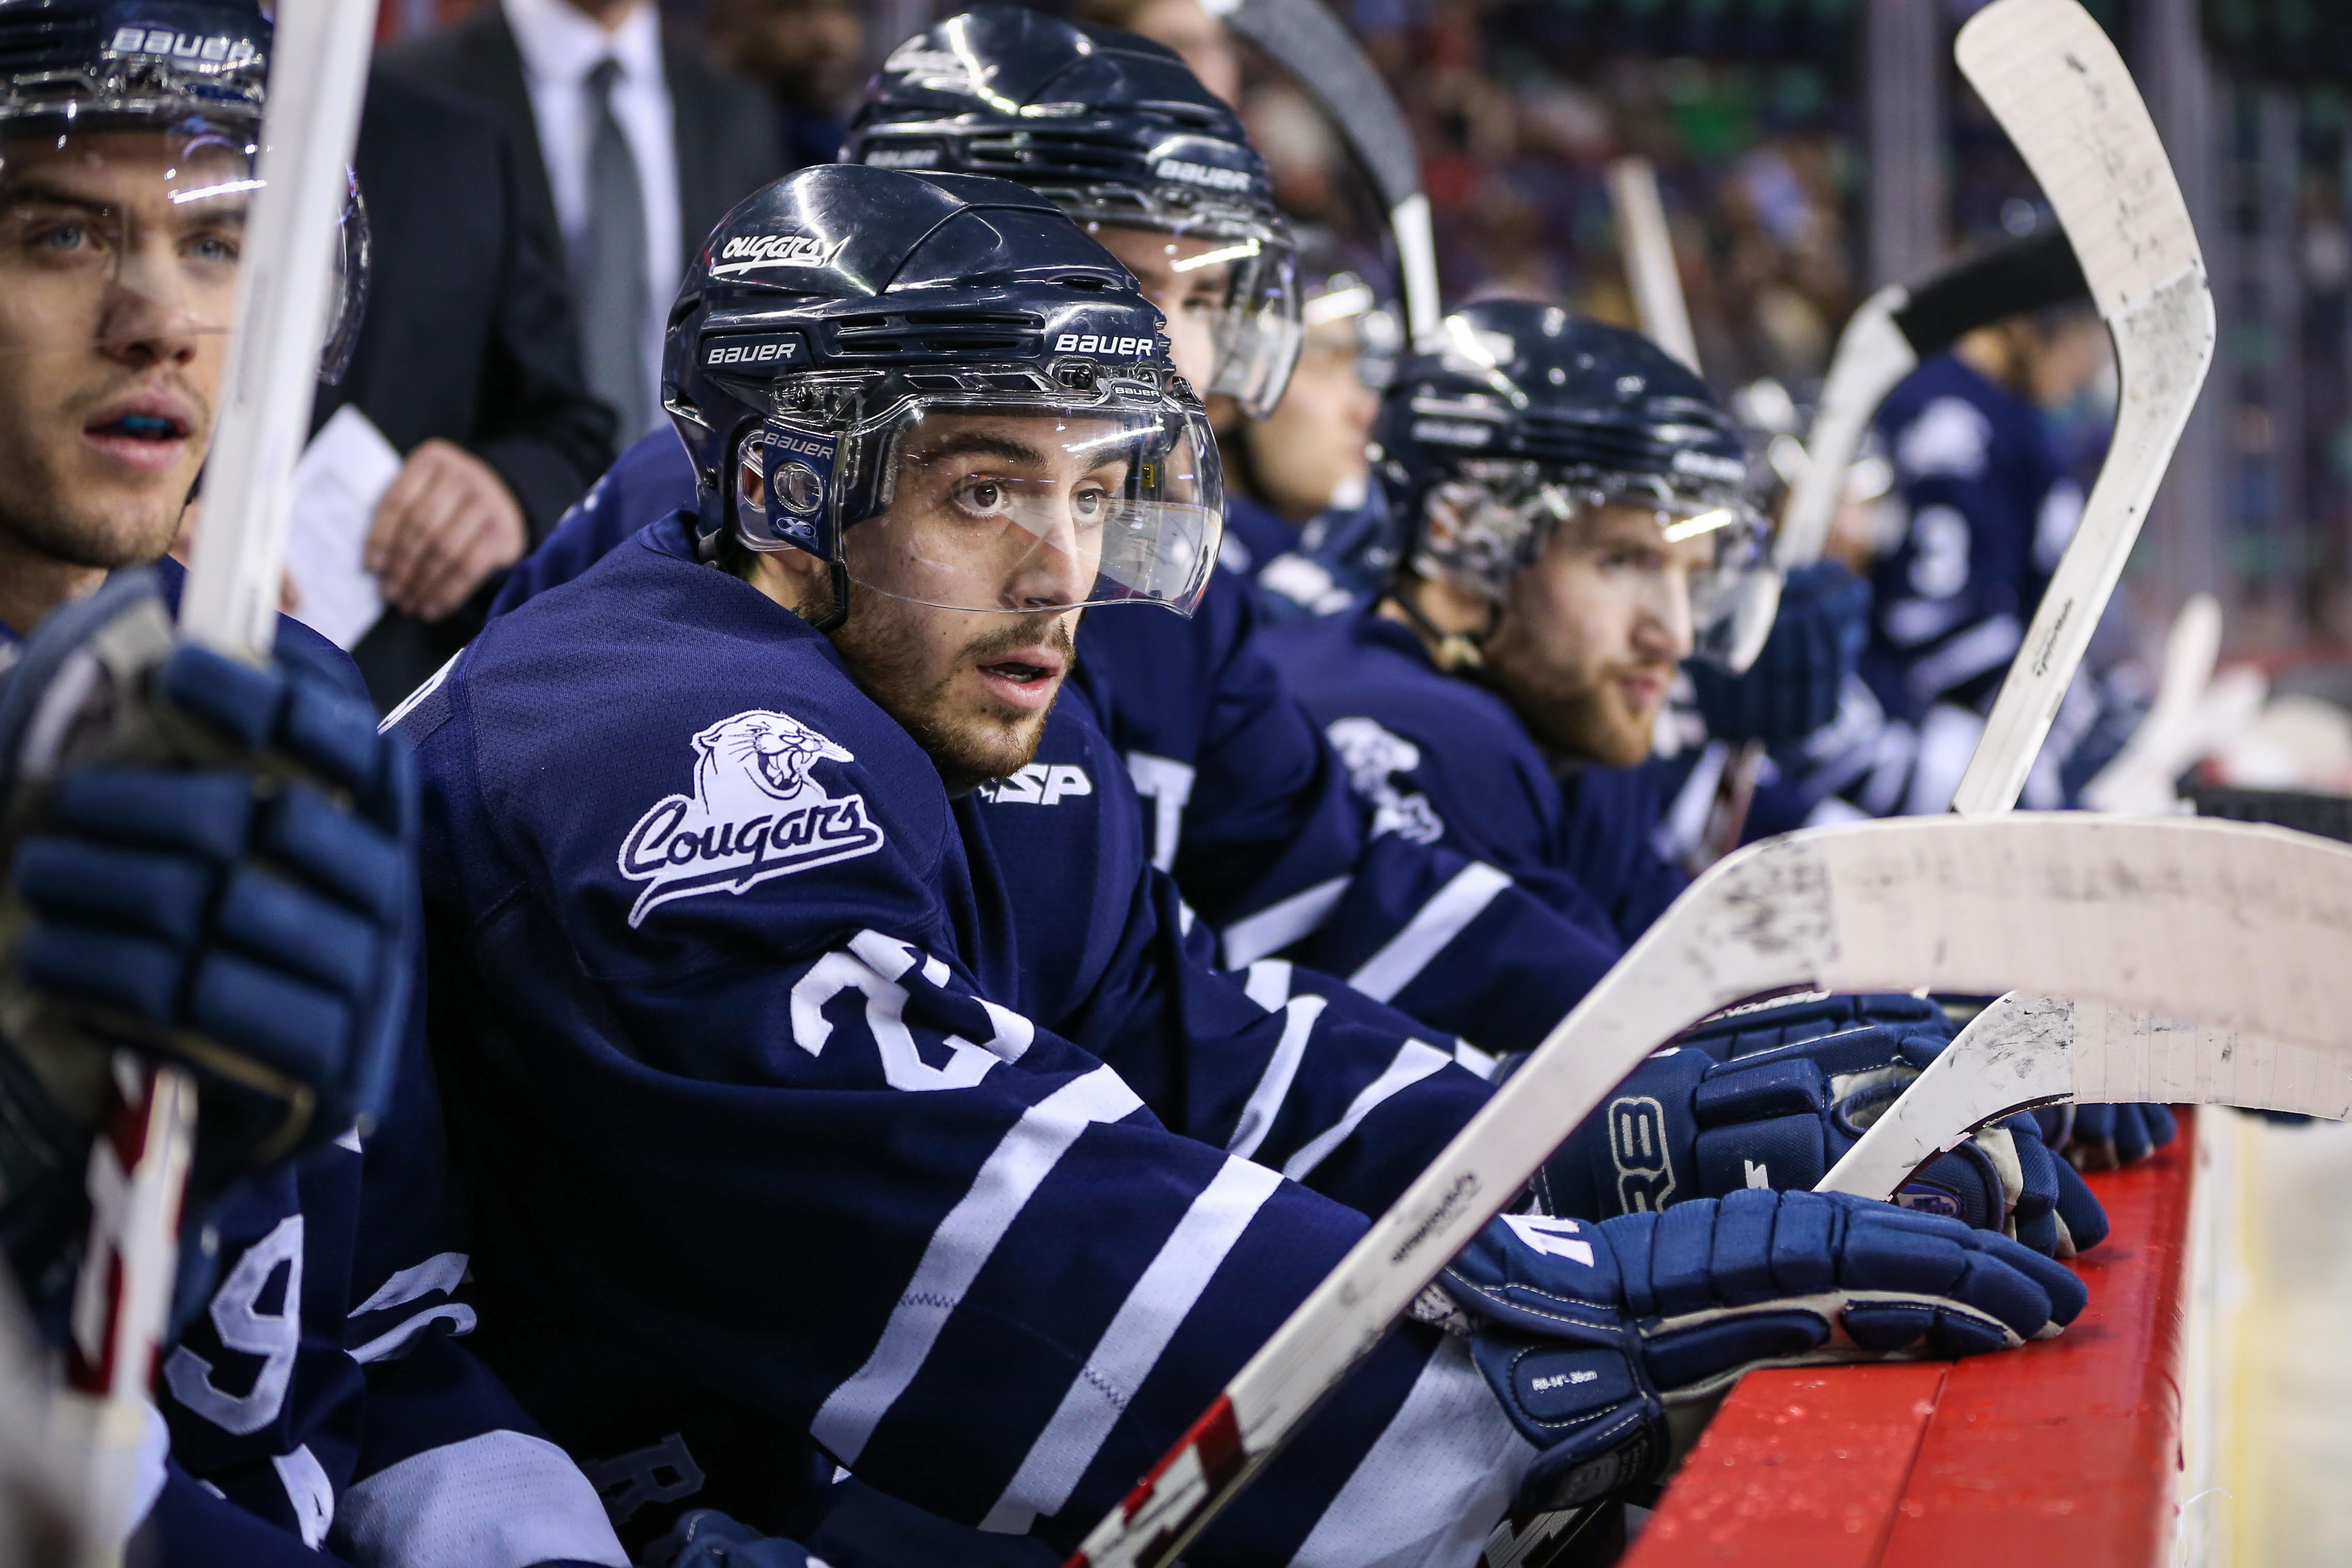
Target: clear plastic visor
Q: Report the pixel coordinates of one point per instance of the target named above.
(1028, 510)
(1228, 284)
(1698, 551)
(120, 245)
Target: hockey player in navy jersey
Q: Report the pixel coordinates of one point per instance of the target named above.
(1987, 503)
(1244, 801)
(775, 1174)
(213, 863)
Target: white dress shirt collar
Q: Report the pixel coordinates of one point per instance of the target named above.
(561, 45)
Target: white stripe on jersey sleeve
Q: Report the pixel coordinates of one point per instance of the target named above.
(1433, 1484)
(1276, 927)
(1273, 1084)
(1411, 1065)
(959, 1249)
(1437, 922)
(1267, 983)
(502, 1499)
(1131, 1347)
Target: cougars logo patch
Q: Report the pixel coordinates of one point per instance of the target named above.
(755, 813)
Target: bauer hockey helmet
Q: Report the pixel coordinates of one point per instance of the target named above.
(1518, 417)
(1118, 132)
(941, 387)
(80, 204)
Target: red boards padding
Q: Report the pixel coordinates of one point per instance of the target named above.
(2067, 1451)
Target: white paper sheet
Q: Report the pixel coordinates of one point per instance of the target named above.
(343, 474)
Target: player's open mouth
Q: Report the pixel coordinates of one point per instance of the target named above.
(145, 432)
(1026, 678)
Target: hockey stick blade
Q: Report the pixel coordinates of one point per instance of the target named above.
(2056, 84)
(1315, 47)
(2025, 1051)
(2237, 926)
(1887, 339)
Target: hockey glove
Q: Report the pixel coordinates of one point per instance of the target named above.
(1792, 690)
(208, 862)
(707, 1537)
(1753, 1104)
(1588, 1333)
(2107, 1137)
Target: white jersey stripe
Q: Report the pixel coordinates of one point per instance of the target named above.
(1434, 1482)
(1438, 922)
(1414, 1062)
(962, 1245)
(1131, 1347)
(1274, 1085)
(1268, 982)
(1277, 926)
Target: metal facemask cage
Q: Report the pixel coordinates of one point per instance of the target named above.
(1257, 332)
(1500, 514)
(835, 445)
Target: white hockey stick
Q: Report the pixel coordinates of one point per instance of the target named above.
(1314, 46)
(2239, 926)
(318, 70)
(2027, 1050)
(2175, 732)
(1647, 246)
(2051, 77)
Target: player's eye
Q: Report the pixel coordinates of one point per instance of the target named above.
(61, 236)
(220, 247)
(1089, 505)
(981, 496)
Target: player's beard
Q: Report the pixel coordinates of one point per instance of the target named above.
(882, 641)
(1579, 716)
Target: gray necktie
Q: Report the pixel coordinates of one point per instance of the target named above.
(609, 265)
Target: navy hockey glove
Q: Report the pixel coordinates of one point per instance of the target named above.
(1792, 689)
(1586, 1334)
(206, 861)
(2107, 1137)
(1762, 1101)
(707, 1537)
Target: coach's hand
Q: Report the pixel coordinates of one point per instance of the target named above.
(446, 522)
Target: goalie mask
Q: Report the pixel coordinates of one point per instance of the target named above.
(940, 387)
(1521, 421)
(129, 139)
(1118, 133)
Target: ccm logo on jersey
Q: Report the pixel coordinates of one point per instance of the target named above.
(1110, 348)
(1039, 784)
(756, 252)
(1207, 175)
(1637, 1143)
(755, 813)
(213, 51)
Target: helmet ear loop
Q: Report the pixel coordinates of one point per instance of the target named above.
(1455, 652)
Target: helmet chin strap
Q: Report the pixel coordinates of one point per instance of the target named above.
(1455, 653)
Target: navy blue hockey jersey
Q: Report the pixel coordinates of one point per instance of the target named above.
(1988, 506)
(1448, 762)
(1243, 802)
(774, 1169)
(319, 1398)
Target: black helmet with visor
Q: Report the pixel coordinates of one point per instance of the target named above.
(1118, 132)
(939, 386)
(130, 134)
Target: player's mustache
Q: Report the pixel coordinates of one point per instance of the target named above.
(1029, 631)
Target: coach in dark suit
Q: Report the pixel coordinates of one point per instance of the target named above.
(467, 361)
(638, 147)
